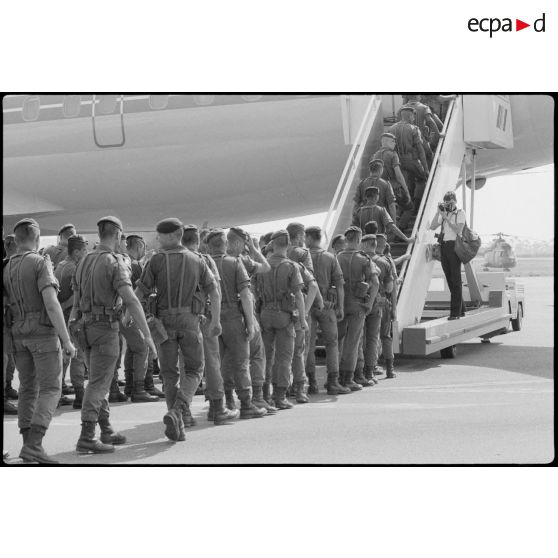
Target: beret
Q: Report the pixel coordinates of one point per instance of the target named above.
(66, 227)
(169, 225)
(294, 228)
(368, 237)
(381, 235)
(26, 221)
(378, 161)
(387, 135)
(190, 227)
(266, 237)
(372, 189)
(110, 219)
(352, 228)
(213, 233)
(337, 238)
(279, 233)
(75, 242)
(407, 107)
(241, 233)
(131, 236)
(313, 229)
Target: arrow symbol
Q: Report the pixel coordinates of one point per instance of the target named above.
(519, 25)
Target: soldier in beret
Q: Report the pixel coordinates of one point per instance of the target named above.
(338, 243)
(60, 251)
(238, 323)
(36, 325)
(175, 273)
(64, 273)
(102, 284)
(387, 197)
(361, 287)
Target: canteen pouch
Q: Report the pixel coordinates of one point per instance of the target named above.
(360, 289)
(157, 329)
(288, 303)
(198, 304)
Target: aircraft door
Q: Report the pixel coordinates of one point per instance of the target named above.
(107, 116)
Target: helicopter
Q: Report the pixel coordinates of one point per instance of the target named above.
(499, 254)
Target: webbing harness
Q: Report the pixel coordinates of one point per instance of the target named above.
(16, 293)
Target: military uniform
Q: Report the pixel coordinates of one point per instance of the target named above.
(64, 273)
(35, 344)
(276, 290)
(59, 252)
(98, 277)
(175, 275)
(387, 197)
(358, 272)
(412, 156)
(370, 212)
(327, 272)
(234, 344)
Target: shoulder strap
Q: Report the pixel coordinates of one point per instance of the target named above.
(16, 292)
(351, 267)
(275, 272)
(222, 276)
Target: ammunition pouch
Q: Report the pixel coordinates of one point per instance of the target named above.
(157, 329)
(360, 289)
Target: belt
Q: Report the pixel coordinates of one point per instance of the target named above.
(87, 316)
(174, 312)
(230, 304)
(28, 315)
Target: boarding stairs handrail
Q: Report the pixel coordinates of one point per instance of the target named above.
(351, 169)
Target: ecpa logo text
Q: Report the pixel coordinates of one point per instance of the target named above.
(494, 24)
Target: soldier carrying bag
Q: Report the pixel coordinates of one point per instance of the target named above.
(359, 289)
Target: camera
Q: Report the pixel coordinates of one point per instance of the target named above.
(442, 206)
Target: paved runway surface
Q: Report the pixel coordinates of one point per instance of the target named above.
(492, 404)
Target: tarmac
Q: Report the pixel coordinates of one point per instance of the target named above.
(494, 403)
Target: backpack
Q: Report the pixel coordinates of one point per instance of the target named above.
(467, 244)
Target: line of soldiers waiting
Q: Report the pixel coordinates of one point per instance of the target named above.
(245, 315)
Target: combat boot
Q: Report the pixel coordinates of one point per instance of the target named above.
(229, 399)
(279, 396)
(266, 390)
(360, 379)
(149, 385)
(78, 399)
(87, 442)
(25, 433)
(109, 434)
(352, 385)
(115, 395)
(139, 395)
(9, 408)
(390, 373)
(67, 390)
(10, 392)
(187, 419)
(259, 401)
(129, 379)
(312, 384)
(247, 409)
(32, 450)
(64, 401)
(219, 414)
(334, 387)
(369, 374)
(174, 425)
(301, 397)
(378, 371)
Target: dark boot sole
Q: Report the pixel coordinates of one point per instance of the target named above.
(171, 428)
(85, 450)
(33, 459)
(114, 441)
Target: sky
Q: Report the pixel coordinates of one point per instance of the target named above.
(519, 204)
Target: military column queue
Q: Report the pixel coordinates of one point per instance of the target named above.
(209, 309)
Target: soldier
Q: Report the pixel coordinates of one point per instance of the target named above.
(10, 249)
(237, 322)
(381, 304)
(392, 174)
(389, 310)
(301, 255)
(411, 153)
(338, 243)
(36, 322)
(279, 291)
(102, 283)
(387, 197)
(361, 287)
(137, 352)
(175, 274)
(371, 211)
(60, 251)
(64, 273)
(214, 390)
(330, 282)
(240, 244)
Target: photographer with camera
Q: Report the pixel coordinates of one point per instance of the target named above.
(452, 221)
